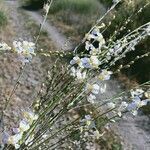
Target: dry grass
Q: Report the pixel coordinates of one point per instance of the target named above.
(74, 18)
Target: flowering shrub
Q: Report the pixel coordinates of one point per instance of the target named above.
(73, 86)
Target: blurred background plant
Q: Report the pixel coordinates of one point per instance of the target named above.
(130, 7)
(3, 18)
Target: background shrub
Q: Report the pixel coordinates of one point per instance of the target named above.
(3, 19)
(140, 71)
(34, 4)
(76, 6)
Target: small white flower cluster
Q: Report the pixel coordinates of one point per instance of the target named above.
(78, 73)
(117, 108)
(86, 62)
(94, 89)
(4, 47)
(105, 75)
(138, 101)
(91, 62)
(24, 125)
(25, 50)
(88, 127)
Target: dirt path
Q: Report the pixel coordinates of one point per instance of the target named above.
(135, 132)
(59, 39)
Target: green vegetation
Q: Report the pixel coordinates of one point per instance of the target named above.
(75, 17)
(3, 19)
(130, 9)
(34, 4)
(76, 6)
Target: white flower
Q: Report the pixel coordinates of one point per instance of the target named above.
(95, 51)
(14, 139)
(137, 92)
(88, 117)
(88, 122)
(23, 126)
(91, 98)
(111, 105)
(91, 62)
(25, 49)
(101, 40)
(78, 73)
(73, 71)
(85, 62)
(92, 88)
(81, 75)
(96, 35)
(94, 62)
(105, 75)
(30, 116)
(89, 46)
(76, 60)
(4, 47)
(116, 49)
(136, 104)
(97, 135)
(147, 94)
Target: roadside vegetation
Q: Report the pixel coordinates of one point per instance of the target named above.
(70, 15)
(3, 18)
